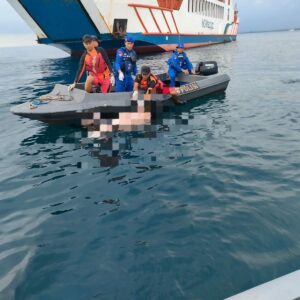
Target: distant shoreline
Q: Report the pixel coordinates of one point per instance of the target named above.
(29, 39)
(17, 40)
(275, 30)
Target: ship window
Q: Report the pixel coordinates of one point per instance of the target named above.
(119, 28)
(199, 6)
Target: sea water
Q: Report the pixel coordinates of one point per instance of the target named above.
(201, 204)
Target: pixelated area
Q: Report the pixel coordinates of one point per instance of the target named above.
(109, 136)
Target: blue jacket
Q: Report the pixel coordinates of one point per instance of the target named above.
(178, 62)
(126, 61)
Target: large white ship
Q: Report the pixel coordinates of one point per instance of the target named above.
(157, 25)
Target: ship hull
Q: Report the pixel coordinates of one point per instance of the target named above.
(156, 28)
(144, 44)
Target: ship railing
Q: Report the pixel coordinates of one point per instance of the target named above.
(157, 17)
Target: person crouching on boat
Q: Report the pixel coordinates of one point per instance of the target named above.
(125, 66)
(178, 63)
(95, 61)
(147, 82)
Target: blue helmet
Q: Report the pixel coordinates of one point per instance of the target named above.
(180, 45)
(129, 38)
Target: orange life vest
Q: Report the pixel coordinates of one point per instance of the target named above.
(95, 65)
(144, 82)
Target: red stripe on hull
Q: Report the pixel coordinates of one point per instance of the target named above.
(162, 48)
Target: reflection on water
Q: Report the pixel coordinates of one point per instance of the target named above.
(111, 139)
(171, 209)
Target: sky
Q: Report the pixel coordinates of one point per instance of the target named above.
(255, 15)
(264, 15)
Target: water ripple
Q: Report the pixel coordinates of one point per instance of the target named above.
(208, 191)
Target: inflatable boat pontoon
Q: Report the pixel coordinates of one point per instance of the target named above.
(62, 106)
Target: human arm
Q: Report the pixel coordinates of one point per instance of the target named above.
(189, 65)
(106, 59)
(81, 68)
(136, 87)
(79, 73)
(173, 62)
(135, 91)
(152, 83)
(119, 61)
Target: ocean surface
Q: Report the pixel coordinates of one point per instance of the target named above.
(202, 204)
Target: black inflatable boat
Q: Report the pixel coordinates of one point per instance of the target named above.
(62, 106)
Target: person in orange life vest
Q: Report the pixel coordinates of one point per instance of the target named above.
(146, 82)
(95, 61)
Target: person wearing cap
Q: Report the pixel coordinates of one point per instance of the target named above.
(95, 41)
(178, 63)
(125, 66)
(95, 61)
(146, 81)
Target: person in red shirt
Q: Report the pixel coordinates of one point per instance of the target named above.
(95, 61)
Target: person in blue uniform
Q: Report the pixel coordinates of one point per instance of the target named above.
(125, 66)
(179, 62)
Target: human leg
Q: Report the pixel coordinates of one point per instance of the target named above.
(172, 75)
(89, 83)
(105, 85)
(128, 83)
(120, 85)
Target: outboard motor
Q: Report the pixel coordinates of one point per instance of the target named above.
(206, 68)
